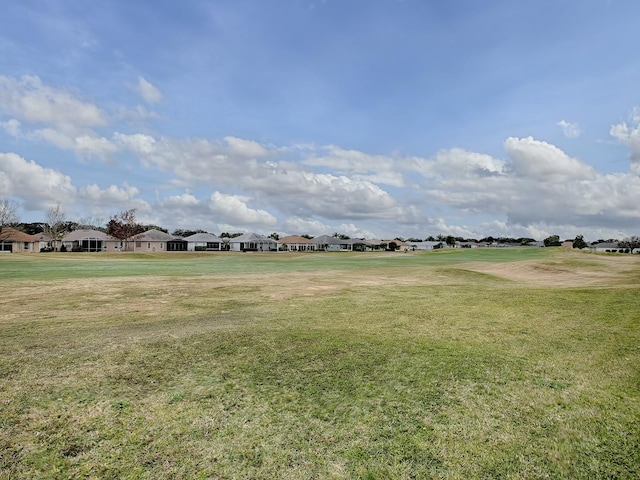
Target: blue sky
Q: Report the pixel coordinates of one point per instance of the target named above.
(376, 118)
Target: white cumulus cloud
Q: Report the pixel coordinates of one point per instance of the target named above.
(629, 135)
(541, 161)
(29, 100)
(37, 186)
(233, 209)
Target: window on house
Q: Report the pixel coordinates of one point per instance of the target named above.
(148, 245)
(138, 244)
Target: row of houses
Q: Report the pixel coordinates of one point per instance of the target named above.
(12, 240)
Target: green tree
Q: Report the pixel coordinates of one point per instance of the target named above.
(123, 225)
(579, 242)
(552, 241)
(393, 246)
(154, 227)
(179, 232)
(631, 243)
(31, 228)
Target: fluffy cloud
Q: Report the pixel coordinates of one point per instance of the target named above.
(629, 134)
(359, 165)
(305, 194)
(12, 127)
(238, 163)
(297, 226)
(195, 160)
(94, 146)
(149, 92)
(112, 195)
(539, 185)
(38, 187)
(459, 163)
(541, 161)
(59, 117)
(247, 149)
(29, 100)
(234, 210)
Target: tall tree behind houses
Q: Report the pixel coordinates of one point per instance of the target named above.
(8, 214)
(123, 226)
(56, 225)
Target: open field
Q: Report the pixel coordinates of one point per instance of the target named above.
(511, 363)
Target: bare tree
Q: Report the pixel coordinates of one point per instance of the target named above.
(55, 224)
(91, 223)
(8, 214)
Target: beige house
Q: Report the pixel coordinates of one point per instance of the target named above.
(15, 241)
(296, 243)
(155, 241)
(91, 241)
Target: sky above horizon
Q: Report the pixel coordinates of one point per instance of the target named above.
(371, 118)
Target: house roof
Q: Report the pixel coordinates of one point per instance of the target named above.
(295, 239)
(43, 237)
(426, 243)
(605, 245)
(202, 237)
(353, 241)
(153, 235)
(252, 237)
(326, 240)
(12, 235)
(400, 243)
(78, 235)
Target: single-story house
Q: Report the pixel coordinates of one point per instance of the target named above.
(156, 241)
(325, 243)
(428, 245)
(204, 242)
(91, 241)
(608, 247)
(296, 243)
(400, 245)
(374, 244)
(45, 241)
(12, 240)
(252, 242)
(353, 244)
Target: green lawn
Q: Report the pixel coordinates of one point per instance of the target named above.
(510, 363)
(56, 266)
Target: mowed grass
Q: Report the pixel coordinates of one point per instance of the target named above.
(518, 363)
